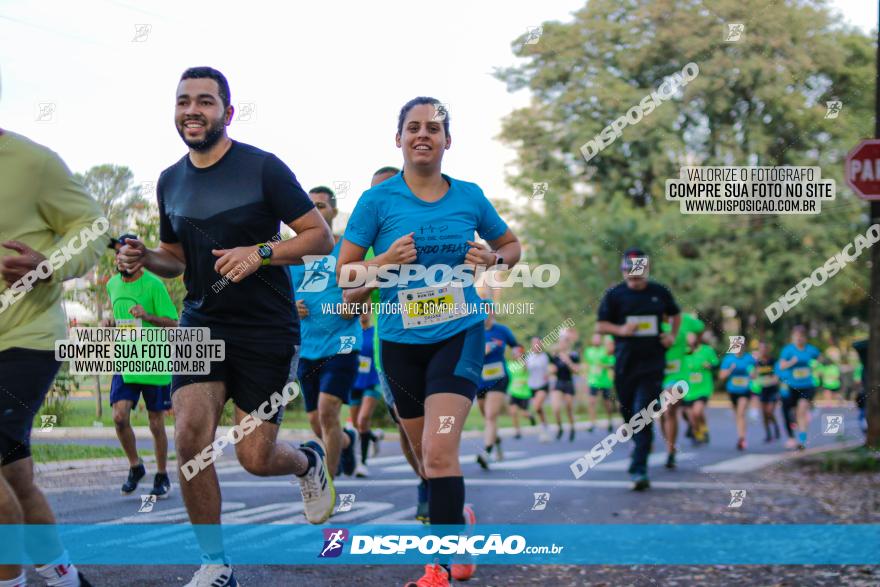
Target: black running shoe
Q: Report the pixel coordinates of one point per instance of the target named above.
(571, 435)
(483, 460)
(532, 420)
(161, 486)
(135, 474)
(640, 482)
(559, 433)
(670, 460)
(83, 582)
(347, 458)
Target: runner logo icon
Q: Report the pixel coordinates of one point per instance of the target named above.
(737, 496)
(333, 541)
(346, 344)
(48, 422)
(147, 503)
(639, 264)
(346, 501)
(318, 269)
(446, 423)
(736, 344)
(833, 424)
(541, 500)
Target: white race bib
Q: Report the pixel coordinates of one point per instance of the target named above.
(647, 325)
(673, 366)
(739, 381)
(696, 377)
(128, 323)
(493, 371)
(364, 365)
(426, 306)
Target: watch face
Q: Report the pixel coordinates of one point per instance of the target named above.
(265, 251)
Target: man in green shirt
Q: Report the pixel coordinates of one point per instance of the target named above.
(599, 359)
(140, 300)
(52, 231)
(675, 355)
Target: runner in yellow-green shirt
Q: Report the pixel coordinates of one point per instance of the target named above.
(697, 367)
(599, 360)
(520, 393)
(674, 372)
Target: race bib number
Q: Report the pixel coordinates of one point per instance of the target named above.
(740, 381)
(128, 323)
(364, 365)
(493, 371)
(768, 380)
(673, 366)
(426, 306)
(696, 378)
(647, 325)
(802, 373)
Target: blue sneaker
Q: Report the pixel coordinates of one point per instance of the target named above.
(347, 458)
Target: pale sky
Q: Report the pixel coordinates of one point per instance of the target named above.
(326, 79)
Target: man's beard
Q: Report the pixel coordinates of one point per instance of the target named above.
(213, 133)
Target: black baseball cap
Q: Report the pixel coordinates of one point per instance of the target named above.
(121, 240)
(631, 253)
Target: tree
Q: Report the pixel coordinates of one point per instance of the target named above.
(111, 186)
(759, 101)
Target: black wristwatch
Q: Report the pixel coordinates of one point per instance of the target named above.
(499, 260)
(265, 253)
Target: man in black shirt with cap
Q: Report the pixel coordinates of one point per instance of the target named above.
(633, 311)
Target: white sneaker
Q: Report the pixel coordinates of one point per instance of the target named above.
(316, 486)
(213, 576)
(379, 437)
(361, 470)
(542, 437)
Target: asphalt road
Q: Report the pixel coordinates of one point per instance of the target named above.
(697, 490)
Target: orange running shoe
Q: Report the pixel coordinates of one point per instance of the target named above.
(463, 572)
(435, 576)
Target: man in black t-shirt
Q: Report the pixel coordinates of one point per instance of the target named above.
(220, 209)
(633, 311)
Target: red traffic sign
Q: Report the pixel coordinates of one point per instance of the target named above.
(862, 169)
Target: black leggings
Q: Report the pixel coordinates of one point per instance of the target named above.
(789, 404)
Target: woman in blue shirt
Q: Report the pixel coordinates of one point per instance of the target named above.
(430, 327)
(737, 370)
(796, 358)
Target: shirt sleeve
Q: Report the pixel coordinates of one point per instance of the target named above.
(165, 307)
(511, 339)
(363, 226)
(71, 214)
(607, 309)
(725, 364)
(786, 353)
(286, 198)
(166, 229)
(672, 308)
(490, 226)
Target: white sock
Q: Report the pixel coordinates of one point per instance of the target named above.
(60, 572)
(19, 581)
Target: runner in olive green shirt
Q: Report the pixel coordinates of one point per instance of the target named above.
(51, 231)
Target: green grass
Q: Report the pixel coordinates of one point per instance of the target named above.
(853, 460)
(81, 413)
(49, 453)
